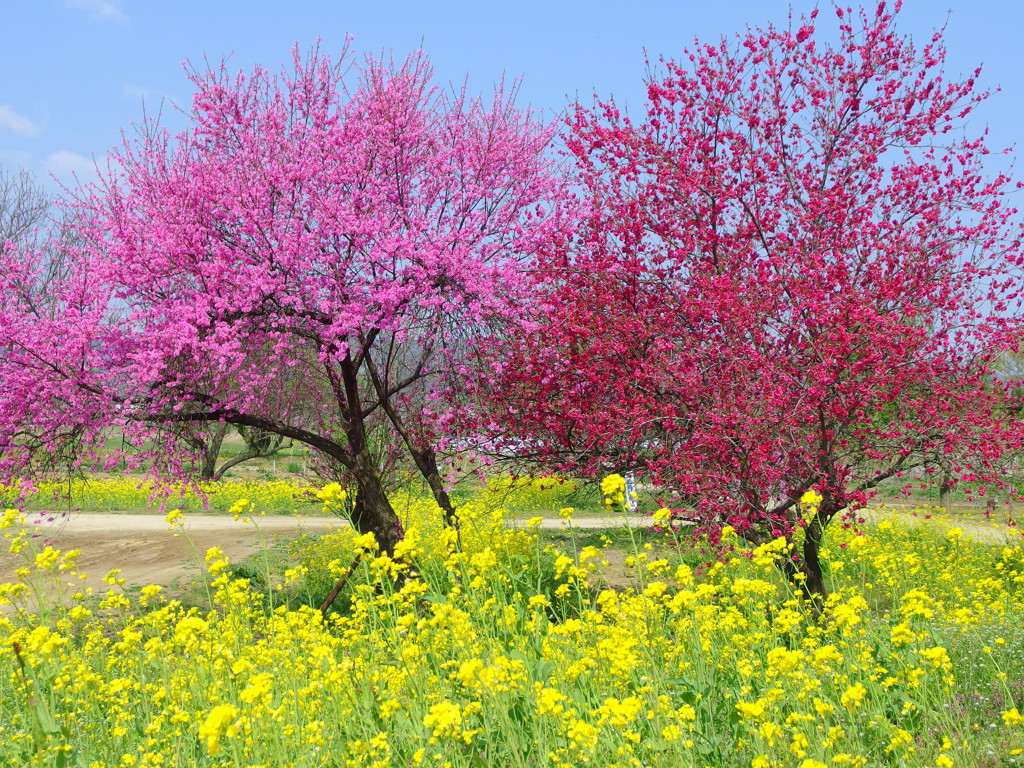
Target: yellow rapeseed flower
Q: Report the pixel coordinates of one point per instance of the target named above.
(1013, 717)
(218, 723)
(853, 696)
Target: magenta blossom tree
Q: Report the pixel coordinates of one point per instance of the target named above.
(303, 259)
(797, 270)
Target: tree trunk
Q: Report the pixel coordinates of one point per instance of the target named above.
(234, 462)
(426, 462)
(808, 582)
(255, 449)
(211, 452)
(804, 571)
(945, 493)
(424, 457)
(814, 579)
(373, 513)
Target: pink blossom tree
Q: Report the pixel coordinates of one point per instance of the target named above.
(300, 260)
(797, 269)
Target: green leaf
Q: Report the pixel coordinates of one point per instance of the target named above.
(46, 720)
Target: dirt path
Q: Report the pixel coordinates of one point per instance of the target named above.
(145, 548)
(148, 552)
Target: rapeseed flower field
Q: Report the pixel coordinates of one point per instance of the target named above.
(129, 493)
(490, 648)
(280, 496)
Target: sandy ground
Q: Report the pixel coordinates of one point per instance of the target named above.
(148, 551)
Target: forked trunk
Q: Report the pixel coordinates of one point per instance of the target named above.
(372, 511)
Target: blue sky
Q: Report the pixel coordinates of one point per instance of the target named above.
(76, 72)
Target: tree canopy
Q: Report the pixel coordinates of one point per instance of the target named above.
(297, 261)
(795, 273)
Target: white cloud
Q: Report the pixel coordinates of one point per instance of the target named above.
(99, 9)
(19, 124)
(70, 167)
(14, 159)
